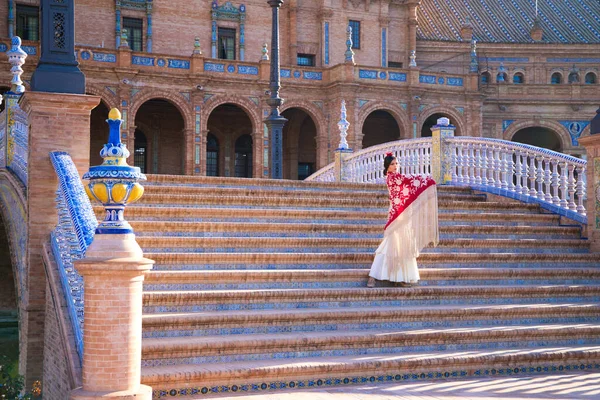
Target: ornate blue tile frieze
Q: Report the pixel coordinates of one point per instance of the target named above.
(179, 64)
(326, 43)
(397, 76)
(31, 50)
(430, 79)
(285, 73)
(313, 75)
(3, 47)
(574, 60)
(105, 57)
(85, 55)
(367, 74)
(214, 67)
(454, 81)
(247, 70)
(138, 60)
(504, 59)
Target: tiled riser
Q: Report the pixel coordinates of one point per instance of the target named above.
(369, 351)
(337, 304)
(273, 329)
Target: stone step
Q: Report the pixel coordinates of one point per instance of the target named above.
(253, 376)
(313, 279)
(265, 229)
(236, 348)
(363, 260)
(281, 299)
(364, 318)
(327, 244)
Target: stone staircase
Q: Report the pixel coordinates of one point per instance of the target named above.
(261, 285)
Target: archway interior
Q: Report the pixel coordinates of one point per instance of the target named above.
(9, 329)
(379, 127)
(140, 155)
(432, 121)
(299, 144)
(163, 126)
(227, 123)
(539, 137)
(98, 132)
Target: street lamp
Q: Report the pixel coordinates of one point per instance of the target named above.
(275, 121)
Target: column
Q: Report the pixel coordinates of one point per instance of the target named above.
(441, 167)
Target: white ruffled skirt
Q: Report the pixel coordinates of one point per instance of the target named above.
(417, 227)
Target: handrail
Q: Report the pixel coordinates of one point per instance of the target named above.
(554, 180)
(72, 236)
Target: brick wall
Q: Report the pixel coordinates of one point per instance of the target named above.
(8, 300)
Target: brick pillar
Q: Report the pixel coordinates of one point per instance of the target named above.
(113, 274)
(592, 147)
(441, 167)
(56, 122)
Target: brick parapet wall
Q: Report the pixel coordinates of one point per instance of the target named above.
(62, 368)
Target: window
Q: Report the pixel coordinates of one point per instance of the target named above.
(518, 78)
(501, 77)
(485, 77)
(394, 64)
(212, 155)
(355, 25)
(135, 36)
(556, 78)
(590, 78)
(306, 60)
(226, 43)
(28, 22)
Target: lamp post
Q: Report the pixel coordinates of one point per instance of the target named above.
(275, 121)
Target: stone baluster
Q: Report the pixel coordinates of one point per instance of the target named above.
(484, 164)
(556, 182)
(524, 172)
(532, 170)
(581, 189)
(505, 175)
(511, 167)
(478, 165)
(547, 181)
(564, 185)
(498, 166)
(518, 172)
(460, 159)
(540, 177)
(571, 187)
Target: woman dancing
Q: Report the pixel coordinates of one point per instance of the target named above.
(412, 224)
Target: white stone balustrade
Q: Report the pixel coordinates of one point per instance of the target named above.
(515, 170)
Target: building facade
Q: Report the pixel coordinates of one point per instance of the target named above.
(191, 79)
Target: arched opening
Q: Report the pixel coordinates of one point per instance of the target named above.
(485, 78)
(243, 156)
(299, 144)
(9, 327)
(590, 78)
(228, 123)
(518, 78)
(379, 127)
(573, 77)
(140, 154)
(98, 132)
(212, 155)
(556, 78)
(540, 137)
(163, 126)
(431, 121)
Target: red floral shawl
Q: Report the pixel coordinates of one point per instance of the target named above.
(404, 189)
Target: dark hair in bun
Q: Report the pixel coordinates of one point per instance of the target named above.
(389, 157)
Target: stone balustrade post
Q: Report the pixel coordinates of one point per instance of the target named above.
(441, 160)
(113, 272)
(592, 147)
(343, 151)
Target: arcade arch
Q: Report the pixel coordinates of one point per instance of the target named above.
(98, 132)
(162, 126)
(432, 119)
(230, 150)
(299, 144)
(379, 127)
(540, 137)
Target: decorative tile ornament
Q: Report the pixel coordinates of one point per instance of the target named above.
(367, 74)
(161, 62)
(506, 123)
(326, 29)
(105, 57)
(384, 47)
(247, 70)
(138, 60)
(312, 75)
(180, 64)
(85, 55)
(361, 103)
(429, 79)
(214, 67)
(30, 50)
(114, 183)
(3, 47)
(454, 81)
(397, 76)
(285, 73)
(575, 129)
